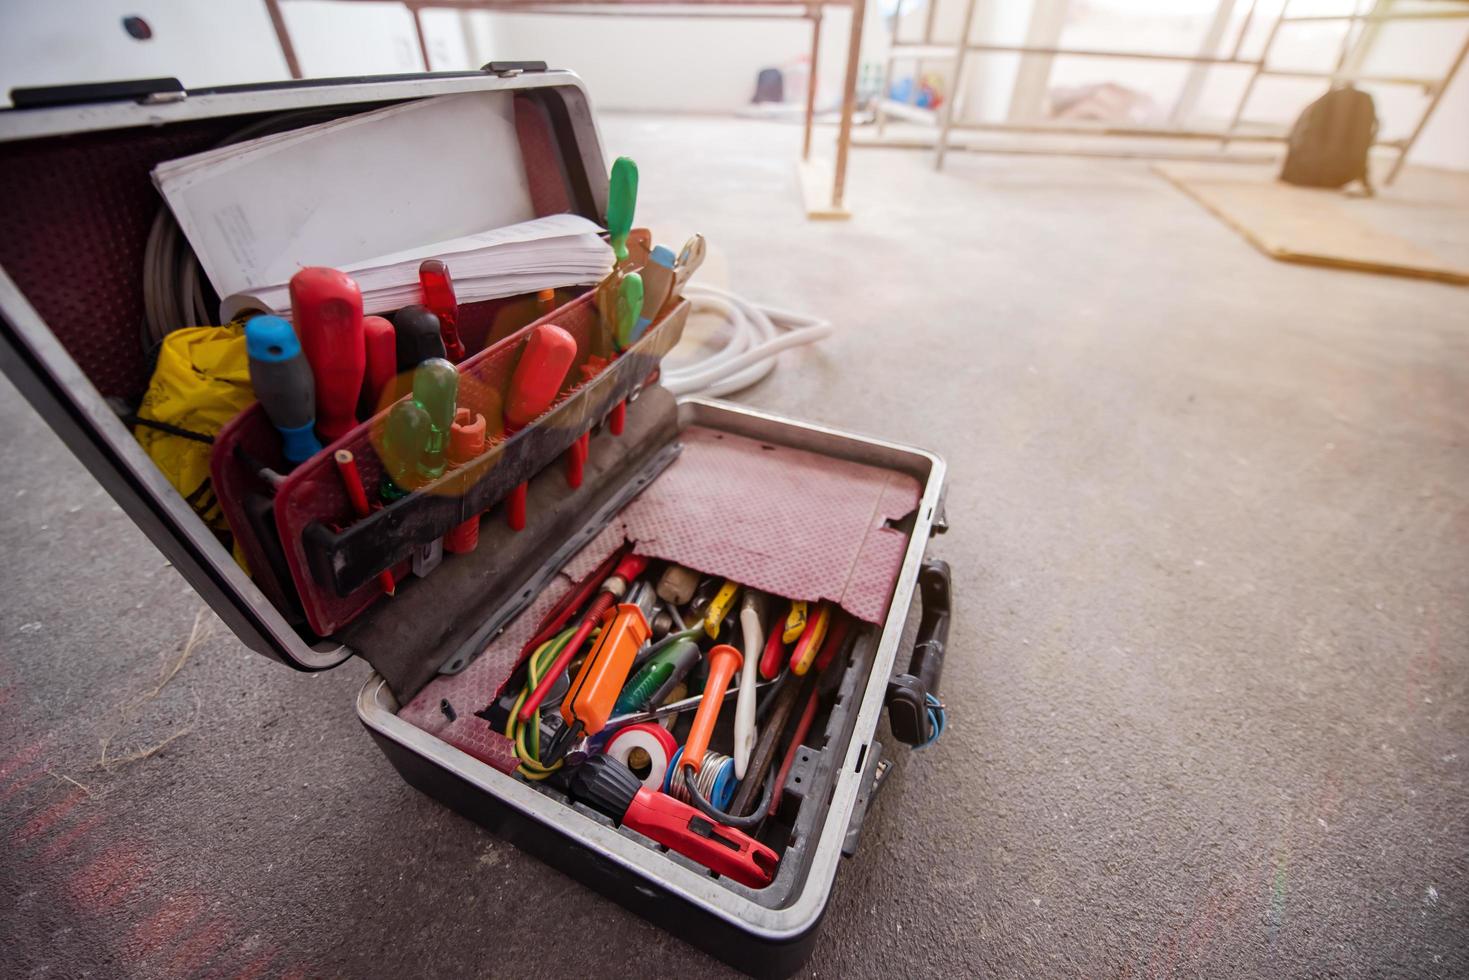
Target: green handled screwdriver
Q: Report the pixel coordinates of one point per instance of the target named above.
(435, 388)
(622, 200)
(629, 308)
(403, 440)
(658, 676)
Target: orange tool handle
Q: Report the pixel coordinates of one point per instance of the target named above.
(601, 605)
(810, 642)
(602, 676)
(724, 660)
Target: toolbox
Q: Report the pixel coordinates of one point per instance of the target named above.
(706, 484)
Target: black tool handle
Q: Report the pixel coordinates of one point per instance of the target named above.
(907, 697)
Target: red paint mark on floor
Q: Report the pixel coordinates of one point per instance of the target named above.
(44, 820)
(158, 931)
(62, 844)
(256, 968)
(195, 951)
(110, 877)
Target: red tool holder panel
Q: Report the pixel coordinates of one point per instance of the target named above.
(330, 556)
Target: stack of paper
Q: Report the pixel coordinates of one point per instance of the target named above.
(544, 253)
(374, 194)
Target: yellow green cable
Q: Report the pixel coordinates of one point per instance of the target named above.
(536, 665)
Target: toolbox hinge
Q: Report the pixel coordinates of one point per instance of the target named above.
(509, 69)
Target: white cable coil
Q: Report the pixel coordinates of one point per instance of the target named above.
(757, 335)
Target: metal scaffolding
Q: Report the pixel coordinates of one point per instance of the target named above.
(944, 122)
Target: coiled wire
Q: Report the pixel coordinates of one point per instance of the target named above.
(715, 779)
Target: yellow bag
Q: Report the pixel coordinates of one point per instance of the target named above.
(201, 382)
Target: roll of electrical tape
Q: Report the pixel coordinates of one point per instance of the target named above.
(649, 741)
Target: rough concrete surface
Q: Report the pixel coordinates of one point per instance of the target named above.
(1208, 673)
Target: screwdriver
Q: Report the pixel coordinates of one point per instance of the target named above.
(622, 200)
(609, 787)
(466, 441)
(326, 306)
(657, 287)
(435, 388)
(357, 495)
(752, 612)
(658, 675)
(719, 607)
(418, 338)
(283, 382)
(616, 586)
(382, 363)
(724, 660)
(588, 704)
(629, 309)
(544, 362)
(403, 440)
(438, 296)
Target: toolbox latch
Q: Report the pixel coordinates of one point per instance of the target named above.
(147, 91)
(509, 69)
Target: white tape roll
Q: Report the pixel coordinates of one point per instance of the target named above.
(652, 740)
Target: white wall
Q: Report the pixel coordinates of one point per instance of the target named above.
(666, 64)
(673, 64)
(218, 42)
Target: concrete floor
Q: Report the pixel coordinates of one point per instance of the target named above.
(1209, 662)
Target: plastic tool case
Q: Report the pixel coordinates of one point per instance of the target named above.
(77, 206)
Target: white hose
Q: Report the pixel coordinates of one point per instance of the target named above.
(756, 335)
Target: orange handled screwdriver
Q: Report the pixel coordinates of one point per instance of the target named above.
(588, 704)
(616, 586)
(724, 660)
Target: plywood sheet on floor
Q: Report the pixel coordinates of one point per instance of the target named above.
(1317, 227)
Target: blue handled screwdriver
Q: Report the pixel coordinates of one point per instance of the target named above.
(282, 379)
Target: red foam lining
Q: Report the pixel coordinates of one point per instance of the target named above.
(783, 520)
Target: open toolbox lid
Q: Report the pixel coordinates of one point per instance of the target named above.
(78, 204)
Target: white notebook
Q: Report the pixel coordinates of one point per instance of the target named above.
(375, 194)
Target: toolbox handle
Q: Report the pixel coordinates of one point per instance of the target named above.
(907, 696)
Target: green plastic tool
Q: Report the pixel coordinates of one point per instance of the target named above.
(629, 308)
(657, 677)
(435, 388)
(622, 200)
(407, 431)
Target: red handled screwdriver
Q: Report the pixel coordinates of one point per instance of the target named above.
(438, 296)
(382, 364)
(357, 494)
(544, 362)
(326, 306)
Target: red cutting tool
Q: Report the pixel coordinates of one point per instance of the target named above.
(610, 787)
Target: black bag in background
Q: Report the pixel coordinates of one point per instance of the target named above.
(1330, 141)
